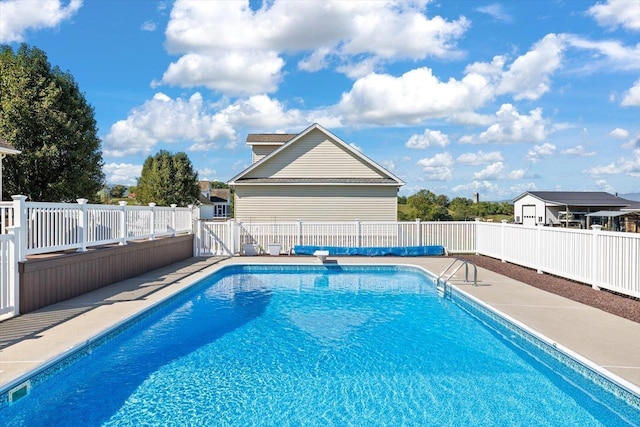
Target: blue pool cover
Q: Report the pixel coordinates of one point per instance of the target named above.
(371, 251)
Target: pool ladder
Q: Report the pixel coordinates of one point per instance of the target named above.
(452, 269)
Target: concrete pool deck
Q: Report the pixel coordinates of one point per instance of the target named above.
(36, 339)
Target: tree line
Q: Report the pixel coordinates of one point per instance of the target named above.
(431, 207)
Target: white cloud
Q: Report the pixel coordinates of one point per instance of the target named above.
(578, 151)
(616, 13)
(19, 16)
(122, 173)
(204, 126)
(207, 174)
(168, 120)
(517, 174)
(603, 185)
(491, 172)
(619, 133)
(511, 126)
(148, 26)
(632, 96)
(438, 167)
(429, 138)
(496, 11)
(624, 165)
(385, 99)
(528, 77)
(633, 143)
(218, 38)
(540, 151)
(235, 73)
(479, 158)
(607, 55)
(490, 187)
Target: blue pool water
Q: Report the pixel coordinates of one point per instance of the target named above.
(278, 346)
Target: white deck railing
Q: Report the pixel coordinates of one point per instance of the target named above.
(52, 227)
(6, 216)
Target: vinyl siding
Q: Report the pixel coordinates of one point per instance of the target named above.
(315, 203)
(315, 156)
(260, 151)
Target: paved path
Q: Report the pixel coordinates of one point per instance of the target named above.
(36, 339)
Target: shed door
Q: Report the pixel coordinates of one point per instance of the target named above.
(529, 215)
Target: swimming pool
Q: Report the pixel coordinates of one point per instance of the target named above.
(317, 345)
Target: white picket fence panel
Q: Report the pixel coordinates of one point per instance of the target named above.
(456, 237)
(604, 259)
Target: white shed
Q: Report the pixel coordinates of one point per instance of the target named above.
(563, 208)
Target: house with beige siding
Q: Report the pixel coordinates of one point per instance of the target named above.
(312, 176)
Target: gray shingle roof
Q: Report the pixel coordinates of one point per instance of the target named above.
(6, 146)
(270, 137)
(581, 198)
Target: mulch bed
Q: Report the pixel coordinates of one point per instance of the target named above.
(620, 305)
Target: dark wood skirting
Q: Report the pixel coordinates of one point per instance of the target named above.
(48, 280)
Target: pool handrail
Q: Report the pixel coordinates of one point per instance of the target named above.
(460, 263)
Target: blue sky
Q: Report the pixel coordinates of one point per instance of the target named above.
(455, 97)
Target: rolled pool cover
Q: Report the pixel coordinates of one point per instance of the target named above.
(371, 251)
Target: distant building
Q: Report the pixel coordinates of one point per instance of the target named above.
(214, 203)
(567, 208)
(312, 176)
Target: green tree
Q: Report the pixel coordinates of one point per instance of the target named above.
(117, 191)
(44, 114)
(461, 209)
(166, 179)
(429, 207)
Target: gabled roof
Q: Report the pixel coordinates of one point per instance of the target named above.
(6, 148)
(577, 198)
(387, 177)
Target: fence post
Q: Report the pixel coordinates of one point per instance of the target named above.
(358, 234)
(477, 227)
(83, 224)
(20, 222)
(539, 247)
(153, 221)
(123, 222)
(14, 256)
(173, 219)
(299, 232)
(502, 227)
(595, 256)
(419, 231)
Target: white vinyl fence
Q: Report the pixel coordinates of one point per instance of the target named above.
(603, 259)
(231, 237)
